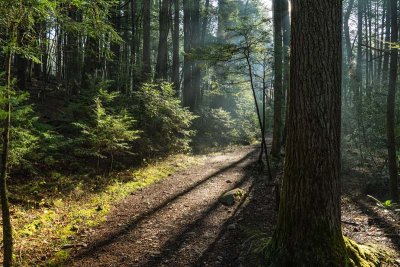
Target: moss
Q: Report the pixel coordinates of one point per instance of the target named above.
(59, 259)
(230, 197)
(43, 228)
(366, 255)
(261, 251)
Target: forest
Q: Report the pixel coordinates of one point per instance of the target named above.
(199, 133)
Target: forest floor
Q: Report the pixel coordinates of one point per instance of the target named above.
(180, 222)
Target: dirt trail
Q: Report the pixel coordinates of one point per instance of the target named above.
(174, 222)
(179, 221)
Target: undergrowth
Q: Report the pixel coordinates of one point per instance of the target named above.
(45, 230)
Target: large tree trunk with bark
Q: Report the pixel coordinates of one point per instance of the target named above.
(309, 229)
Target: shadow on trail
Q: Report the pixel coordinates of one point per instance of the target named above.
(389, 228)
(257, 213)
(136, 221)
(172, 247)
(261, 202)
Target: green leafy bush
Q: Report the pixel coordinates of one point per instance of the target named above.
(33, 145)
(165, 124)
(215, 127)
(109, 134)
(245, 117)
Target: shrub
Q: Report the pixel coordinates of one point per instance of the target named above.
(166, 125)
(109, 134)
(215, 127)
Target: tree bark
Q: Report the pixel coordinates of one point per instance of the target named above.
(286, 60)
(175, 45)
(133, 44)
(21, 64)
(21, 67)
(278, 80)
(72, 56)
(309, 228)
(90, 63)
(5, 209)
(391, 103)
(114, 65)
(349, 53)
(146, 56)
(187, 93)
(205, 22)
(162, 56)
(386, 57)
(196, 39)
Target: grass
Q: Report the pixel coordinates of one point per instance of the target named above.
(45, 230)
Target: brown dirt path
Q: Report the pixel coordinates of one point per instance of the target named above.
(173, 222)
(179, 221)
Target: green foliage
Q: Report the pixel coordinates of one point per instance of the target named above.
(234, 122)
(388, 204)
(94, 20)
(215, 127)
(245, 116)
(367, 255)
(110, 135)
(19, 17)
(32, 143)
(166, 125)
(24, 135)
(255, 246)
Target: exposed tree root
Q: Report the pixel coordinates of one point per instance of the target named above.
(260, 254)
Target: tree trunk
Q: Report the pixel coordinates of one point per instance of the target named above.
(309, 228)
(187, 94)
(205, 22)
(223, 15)
(5, 209)
(349, 52)
(146, 56)
(195, 39)
(391, 102)
(175, 45)
(286, 59)
(133, 44)
(114, 71)
(59, 33)
(72, 56)
(278, 94)
(45, 54)
(386, 57)
(21, 67)
(90, 63)
(380, 43)
(162, 56)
